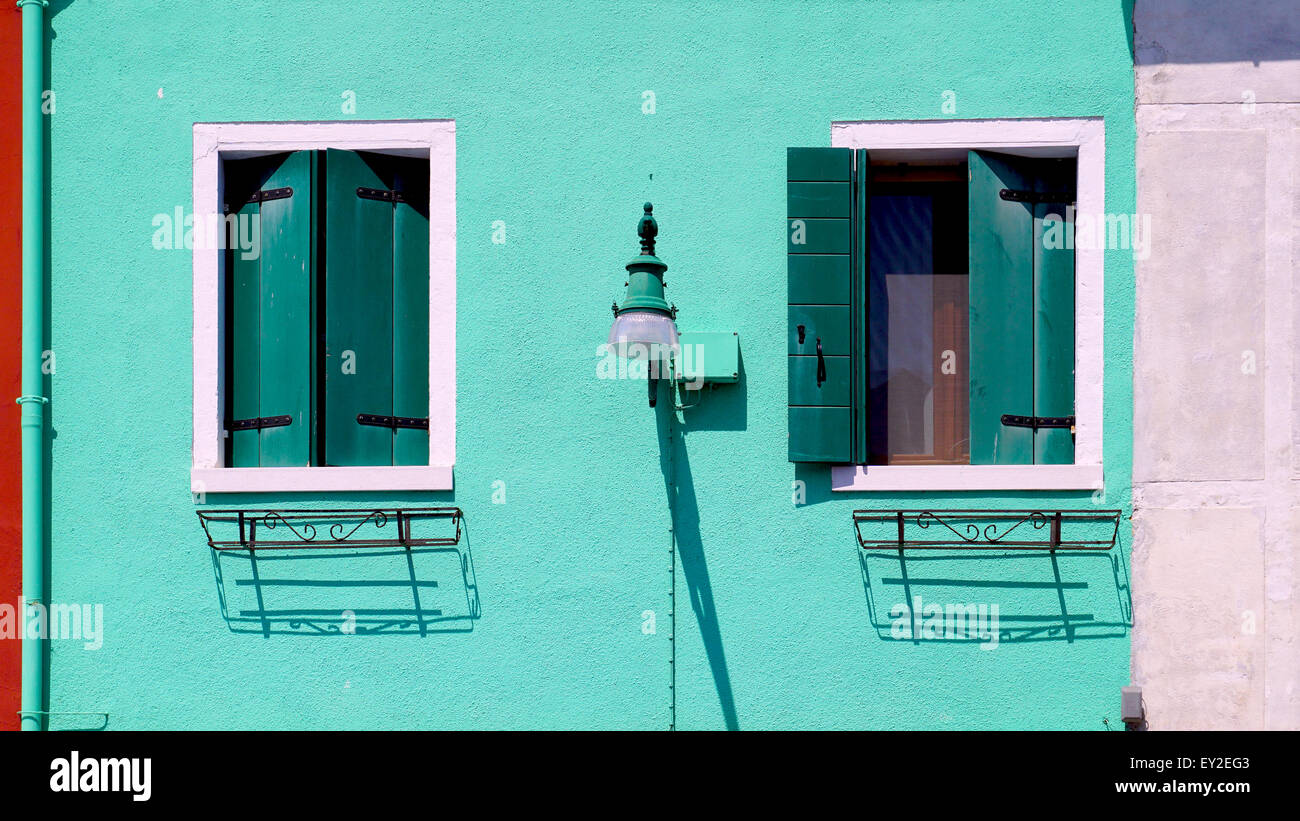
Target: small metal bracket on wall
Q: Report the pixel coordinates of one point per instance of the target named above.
(1052, 530)
(48, 714)
(61, 713)
(305, 529)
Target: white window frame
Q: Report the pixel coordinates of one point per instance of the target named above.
(1084, 138)
(214, 142)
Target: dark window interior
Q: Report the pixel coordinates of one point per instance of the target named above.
(919, 341)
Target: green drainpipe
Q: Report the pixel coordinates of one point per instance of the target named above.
(32, 417)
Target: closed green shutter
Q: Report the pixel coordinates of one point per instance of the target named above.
(358, 312)
(1021, 313)
(825, 210)
(376, 307)
(270, 351)
(287, 286)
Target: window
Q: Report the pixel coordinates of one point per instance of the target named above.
(327, 319)
(934, 337)
(324, 319)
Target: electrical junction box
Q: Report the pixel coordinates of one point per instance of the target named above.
(709, 358)
(1130, 704)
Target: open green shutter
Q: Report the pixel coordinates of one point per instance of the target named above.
(1021, 312)
(1054, 311)
(411, 308)
(358, 312)
(861, 307)
(822, 244)
(269, 347)
(243, 345)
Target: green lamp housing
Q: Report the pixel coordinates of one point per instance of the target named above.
(645, 318)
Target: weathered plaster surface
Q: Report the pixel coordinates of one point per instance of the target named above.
(774, 611)
(1216, 51)
(1189, 610)
(1216, 426)
(1205, 294)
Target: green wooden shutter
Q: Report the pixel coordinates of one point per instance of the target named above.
(824, 252)
(287, 285)
(376, 307)
(270, 353)
(1021, 313)
(244, 344)
(1054, 312)
(861, 307)
(411, 308)
(358, 312)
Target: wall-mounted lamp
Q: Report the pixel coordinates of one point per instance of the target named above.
(645, 326)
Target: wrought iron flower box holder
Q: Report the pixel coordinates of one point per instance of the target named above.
(309, 529)
(986, 529)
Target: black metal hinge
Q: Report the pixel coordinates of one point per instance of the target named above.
(1035, 196)
(1036, 422)
(377, 421)
(260, 422)
(268, 194)
(381, 194)
(271, 194)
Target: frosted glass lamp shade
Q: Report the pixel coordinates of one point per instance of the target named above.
(654, 330)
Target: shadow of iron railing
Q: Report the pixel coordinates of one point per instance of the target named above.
(996, 567)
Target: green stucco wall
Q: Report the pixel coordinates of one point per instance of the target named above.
(774, 608)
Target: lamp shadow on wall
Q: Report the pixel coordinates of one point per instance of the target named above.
(904, 586)
(716, 406)
(722, 407)
(348, 592)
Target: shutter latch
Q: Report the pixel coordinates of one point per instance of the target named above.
(1037, 422)
(260, 422)
(377, 421)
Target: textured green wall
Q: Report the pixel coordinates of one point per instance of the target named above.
(774, 606)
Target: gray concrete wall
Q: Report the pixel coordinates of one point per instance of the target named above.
(1216, 573)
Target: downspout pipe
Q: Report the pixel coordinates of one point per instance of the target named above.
(33, 400)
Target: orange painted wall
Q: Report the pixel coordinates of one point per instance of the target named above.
(10, 344)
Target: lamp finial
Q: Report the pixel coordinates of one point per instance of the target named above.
(647, 229)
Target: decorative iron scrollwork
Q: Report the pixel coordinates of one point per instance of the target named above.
(377, 517)
(265, 529)
(987, 529)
